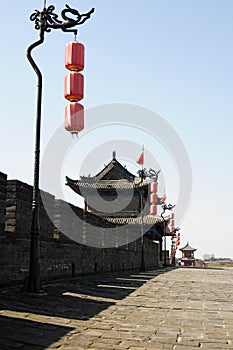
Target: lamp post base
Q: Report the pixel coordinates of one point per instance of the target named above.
(32, 284)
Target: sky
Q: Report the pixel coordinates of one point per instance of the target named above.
(173, 57)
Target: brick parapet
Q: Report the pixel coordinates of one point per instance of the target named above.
(59, 255)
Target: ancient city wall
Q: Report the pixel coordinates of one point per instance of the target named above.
(59, 255)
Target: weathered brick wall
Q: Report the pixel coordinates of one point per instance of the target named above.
(19, 210)
(152, 254)
(59, 255)
(3, 191)
(18, 207)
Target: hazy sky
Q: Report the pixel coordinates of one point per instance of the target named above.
(170, 56)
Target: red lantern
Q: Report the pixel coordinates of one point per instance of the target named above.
(153, 198)
(74, 117)
(153, 210)
(154, 187)
(171, 228)
(74, 82)
(74, 57)
(172, 222)
(172, 216)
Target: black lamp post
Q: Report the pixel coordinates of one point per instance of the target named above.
(165, 207)
(143, 174)
(45, 21)
(142, 268)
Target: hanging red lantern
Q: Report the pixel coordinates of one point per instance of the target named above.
(74, 83)
(153, 198)
(74, 56)
(74, 117)
(153, 210)
(154, 187)
(172, 216)
(172, 228)
(172, 222)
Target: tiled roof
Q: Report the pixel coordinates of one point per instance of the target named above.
(107, 184)
(114, 164)
(187, 247)
(118, 184)
(147, 220)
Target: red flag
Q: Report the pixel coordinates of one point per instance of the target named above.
(140, 160)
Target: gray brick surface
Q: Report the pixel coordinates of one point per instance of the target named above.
(176, 309)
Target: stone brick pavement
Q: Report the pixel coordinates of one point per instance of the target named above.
(176, 309)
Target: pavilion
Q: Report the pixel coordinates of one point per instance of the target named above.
(118, 197)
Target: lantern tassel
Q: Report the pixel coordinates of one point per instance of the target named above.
(74, 134)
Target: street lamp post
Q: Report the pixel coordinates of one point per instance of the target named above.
(140, 192)
(142, 268)
(143, 174)
(165, 207)
(45, 21)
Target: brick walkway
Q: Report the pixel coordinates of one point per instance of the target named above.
(179, 309)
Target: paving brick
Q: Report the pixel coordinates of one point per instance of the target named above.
(192, 308)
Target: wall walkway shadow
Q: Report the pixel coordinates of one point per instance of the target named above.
(80, 298)
(16, 333)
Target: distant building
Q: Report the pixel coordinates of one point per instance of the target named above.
(188, 258)
(209, 257)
